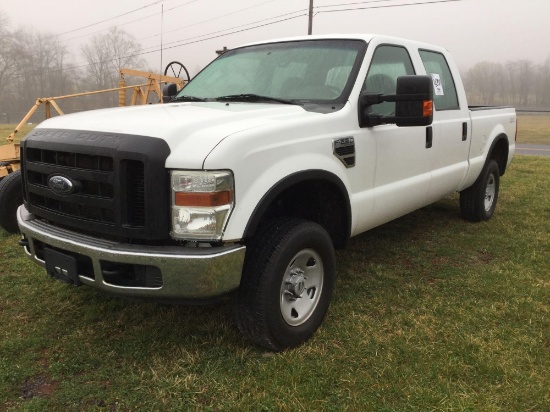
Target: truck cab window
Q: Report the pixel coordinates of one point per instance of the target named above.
(388, 63)
(445, 96)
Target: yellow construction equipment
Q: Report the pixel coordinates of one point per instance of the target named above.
(10, 153)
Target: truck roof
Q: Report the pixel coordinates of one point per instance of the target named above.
(353, 36)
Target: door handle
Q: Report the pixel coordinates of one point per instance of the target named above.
(429, 137)
(464, 131)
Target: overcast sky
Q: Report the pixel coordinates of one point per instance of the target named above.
(473, 30)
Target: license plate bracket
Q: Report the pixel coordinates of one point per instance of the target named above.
(61, 266)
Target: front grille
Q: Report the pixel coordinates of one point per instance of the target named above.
(118, 185)
(98, 189)
(92, 199)
(135, 192)
(81, 211)
(73, 160)
(90, 188)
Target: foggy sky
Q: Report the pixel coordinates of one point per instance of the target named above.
(473, 30)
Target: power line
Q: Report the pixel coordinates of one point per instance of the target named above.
(216, 34)
(186, 42)
(115, 17)
(179, 28)
(226, 34)
(118, 25)
(349, 4)
(239, 11)
(384, 6)
(214, 18)
(126, 23)
(183, 42)
(241, 25)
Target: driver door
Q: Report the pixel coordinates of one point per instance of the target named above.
(403, 160)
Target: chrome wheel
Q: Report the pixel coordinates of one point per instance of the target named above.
(490, 191)
(301, 287)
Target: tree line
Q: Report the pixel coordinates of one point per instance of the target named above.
(519, 83)
(34, 64)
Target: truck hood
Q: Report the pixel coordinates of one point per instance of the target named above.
(192, 130)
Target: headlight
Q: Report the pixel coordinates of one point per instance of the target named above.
(201, 204)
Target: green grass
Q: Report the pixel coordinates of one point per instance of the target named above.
(534, 128)
(429, 313)
(7, 129)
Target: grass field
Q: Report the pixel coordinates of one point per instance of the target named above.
(534, 128)
(429, 313)
(6, 129)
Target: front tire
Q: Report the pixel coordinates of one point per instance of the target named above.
(287, 284)
(478, 202)
(11, 197)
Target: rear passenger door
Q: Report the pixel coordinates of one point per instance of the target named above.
(451, 131)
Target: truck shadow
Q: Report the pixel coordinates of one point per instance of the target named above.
(146, 325)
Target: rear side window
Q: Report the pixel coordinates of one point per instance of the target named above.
(387, 64)
(445, 96)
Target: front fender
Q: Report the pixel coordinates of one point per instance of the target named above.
(294, 179)
(255, 191)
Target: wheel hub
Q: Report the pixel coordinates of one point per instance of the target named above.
(295, 284)
(301, 287)
(490, 191)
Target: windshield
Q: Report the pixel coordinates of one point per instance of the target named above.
(318, 71)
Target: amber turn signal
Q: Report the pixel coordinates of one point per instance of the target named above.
(209, 199)
(427, 108)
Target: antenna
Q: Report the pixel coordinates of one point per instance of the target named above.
(161, 30)
(310, 26)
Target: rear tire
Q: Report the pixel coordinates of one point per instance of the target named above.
(11, 197)
(287, 283)
(478, 202)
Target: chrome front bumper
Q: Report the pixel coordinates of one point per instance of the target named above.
(178, 273)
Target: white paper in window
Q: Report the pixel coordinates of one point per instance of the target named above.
(438, 86)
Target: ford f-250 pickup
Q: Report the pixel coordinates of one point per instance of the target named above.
(273, 155)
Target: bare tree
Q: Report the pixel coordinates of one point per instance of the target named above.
(526, 81)
(106, 54)
(484, 82)
(35, 67)
(8, 68)
(521, 75)
(40, 63)
(542, 82)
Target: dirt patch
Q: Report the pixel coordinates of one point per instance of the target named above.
(40, 386)
(485, 257)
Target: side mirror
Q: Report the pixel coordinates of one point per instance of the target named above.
(416, 109)
(168, 92)
(413, 103)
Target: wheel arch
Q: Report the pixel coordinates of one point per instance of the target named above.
(499, 152)
(323, 189)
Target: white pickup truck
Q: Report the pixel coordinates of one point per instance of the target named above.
(273, 155)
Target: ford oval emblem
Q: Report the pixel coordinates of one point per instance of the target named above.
(61, 185)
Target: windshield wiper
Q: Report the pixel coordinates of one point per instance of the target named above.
(251, 97)
(188, 99)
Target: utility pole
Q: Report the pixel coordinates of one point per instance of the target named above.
(310, 26)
